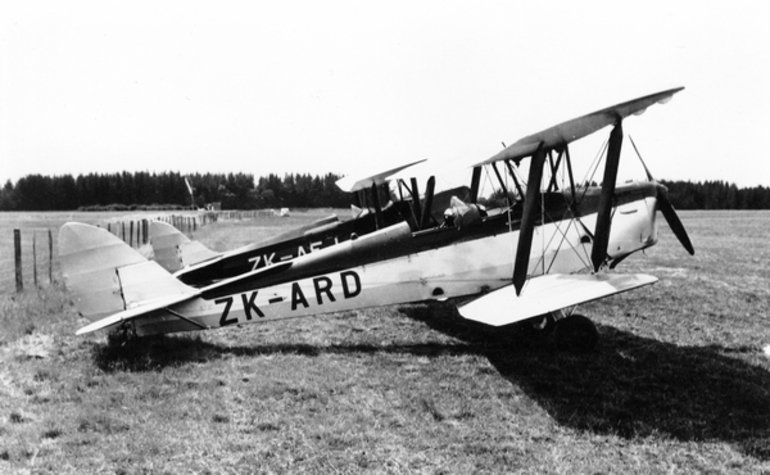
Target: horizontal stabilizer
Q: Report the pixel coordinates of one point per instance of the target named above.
(126, 315)
(548, 293)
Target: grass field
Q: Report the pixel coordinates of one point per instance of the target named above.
(678, 384)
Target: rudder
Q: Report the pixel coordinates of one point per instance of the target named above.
(173, 250)
(106, 276)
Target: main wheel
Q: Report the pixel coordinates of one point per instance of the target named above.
(121, 335)
(576, 333)
(543, 325)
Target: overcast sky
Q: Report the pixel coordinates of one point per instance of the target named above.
(318, 86)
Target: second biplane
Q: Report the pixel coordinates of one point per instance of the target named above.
(195, 264)
(545, 250)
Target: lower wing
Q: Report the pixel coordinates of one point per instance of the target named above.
(548, 293)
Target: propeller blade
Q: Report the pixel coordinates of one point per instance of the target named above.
(665, 207)
(528, 218)
(603, 218)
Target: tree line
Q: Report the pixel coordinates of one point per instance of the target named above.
(716, 195)
(144, 190)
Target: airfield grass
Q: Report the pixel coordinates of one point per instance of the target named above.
(679, 382)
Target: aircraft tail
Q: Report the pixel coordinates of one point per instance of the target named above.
(106, 276)
(173, 250)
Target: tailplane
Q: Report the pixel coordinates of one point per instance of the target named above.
(106, 276)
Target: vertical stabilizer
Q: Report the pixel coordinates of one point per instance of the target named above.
(106, 276)
(165, 241)
(173, 250)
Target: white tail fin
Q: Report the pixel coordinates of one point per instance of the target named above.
(173, 250)
(106, 276)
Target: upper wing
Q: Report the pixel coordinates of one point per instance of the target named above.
(356, 183)
(558, 136)
(548, 293)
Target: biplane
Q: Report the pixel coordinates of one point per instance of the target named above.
(374, 208)
(542, 247)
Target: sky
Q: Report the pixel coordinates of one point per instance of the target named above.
(342, 86)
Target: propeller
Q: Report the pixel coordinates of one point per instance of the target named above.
(665, 207)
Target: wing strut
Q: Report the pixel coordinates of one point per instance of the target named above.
(428, 202)
(377, 207)
(475, 181)
(502, 184)
(568, 159)
(603, 219)
(529, 216)
(553, 185)
(416, 203)
(515, 180)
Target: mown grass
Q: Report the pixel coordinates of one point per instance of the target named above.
(678, 384)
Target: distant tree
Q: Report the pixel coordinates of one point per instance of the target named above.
(7, 197)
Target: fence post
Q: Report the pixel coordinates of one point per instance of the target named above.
(34, 257)
(17, 259)
(50, 257)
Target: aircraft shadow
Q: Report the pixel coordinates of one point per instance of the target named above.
(155, 353)
(630, 386)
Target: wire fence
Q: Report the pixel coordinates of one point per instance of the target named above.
(32, 260)
(30, 252)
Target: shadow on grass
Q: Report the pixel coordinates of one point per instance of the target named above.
(156, 353)
(630, 386)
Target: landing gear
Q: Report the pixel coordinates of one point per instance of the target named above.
(544, 325)
(121, 335)
(560, 330)
(576, 333)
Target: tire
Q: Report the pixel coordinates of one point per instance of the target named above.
(576, 334)
(539, 327)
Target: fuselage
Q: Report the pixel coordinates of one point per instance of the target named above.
(398, 265)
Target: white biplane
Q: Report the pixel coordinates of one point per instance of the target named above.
(545, 250)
